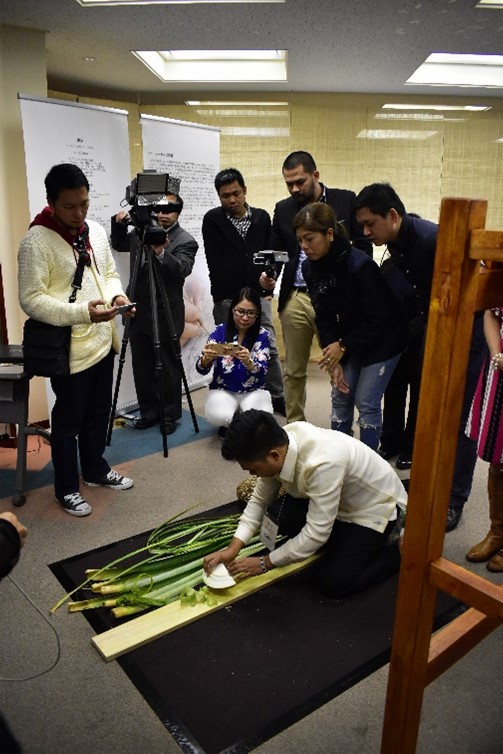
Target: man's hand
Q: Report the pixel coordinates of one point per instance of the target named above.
(20, 528)
(246, 567)
(99, 314)
(121, 216)
(266, 282)
(120, 301)
(225, 556)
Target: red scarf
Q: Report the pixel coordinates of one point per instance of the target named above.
(46, 218)
(80, 242)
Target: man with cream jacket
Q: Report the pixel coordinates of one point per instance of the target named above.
(48, 256)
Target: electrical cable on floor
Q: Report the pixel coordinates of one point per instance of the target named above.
(58, 643)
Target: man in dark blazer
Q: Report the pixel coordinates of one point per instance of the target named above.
(174, 261)
(232, 234)
(295, 310)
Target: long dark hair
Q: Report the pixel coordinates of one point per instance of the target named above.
(230, 328)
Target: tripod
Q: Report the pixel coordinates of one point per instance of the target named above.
(155, 286)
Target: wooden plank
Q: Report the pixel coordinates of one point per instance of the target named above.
(489, 288)
(456, 639)
(486, 245)
(156, 623)
(442, 385)
(467, 587)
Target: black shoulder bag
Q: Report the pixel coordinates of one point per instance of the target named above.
(46, 348)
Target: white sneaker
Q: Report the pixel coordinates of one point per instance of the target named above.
(74, 504)
(113, 480)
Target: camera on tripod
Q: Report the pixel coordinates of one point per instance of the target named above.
(269, 259)
(147, 197)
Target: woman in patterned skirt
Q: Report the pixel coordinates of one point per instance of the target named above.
(486, 426)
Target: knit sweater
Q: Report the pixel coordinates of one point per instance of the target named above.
(46, 266)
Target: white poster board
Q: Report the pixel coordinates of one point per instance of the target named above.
(96, 139)
(191, 152)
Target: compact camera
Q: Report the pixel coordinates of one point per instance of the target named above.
(269, 259)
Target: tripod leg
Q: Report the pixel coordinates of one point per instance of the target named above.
(153, 281)
(122, 355)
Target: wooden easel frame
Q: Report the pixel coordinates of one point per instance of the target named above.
(459, 289)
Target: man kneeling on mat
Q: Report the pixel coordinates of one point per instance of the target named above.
(340, 496)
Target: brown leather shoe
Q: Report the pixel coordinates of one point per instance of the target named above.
(485, 549)
(495, 565)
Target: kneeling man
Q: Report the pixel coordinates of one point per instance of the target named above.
(341, 498)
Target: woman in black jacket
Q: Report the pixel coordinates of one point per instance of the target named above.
(361, 325)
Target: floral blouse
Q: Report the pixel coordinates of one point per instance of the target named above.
(231, 374)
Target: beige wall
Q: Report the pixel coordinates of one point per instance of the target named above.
(21, 72)
(462, 157)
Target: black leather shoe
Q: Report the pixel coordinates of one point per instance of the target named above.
(453, 518)
(403, 462)
(278, 405)
(386, 453)
(142, 423)
(170, 427)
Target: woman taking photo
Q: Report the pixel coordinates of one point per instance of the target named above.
(238, 351)
(361, 325)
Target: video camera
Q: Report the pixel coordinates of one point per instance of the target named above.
(147, 197)
(269, 259)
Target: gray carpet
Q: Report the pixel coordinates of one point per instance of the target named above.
(64, 699)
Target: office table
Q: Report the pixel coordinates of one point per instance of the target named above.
(14, 394)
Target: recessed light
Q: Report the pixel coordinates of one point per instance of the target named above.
(468, 108)
(234, 103)
(389, 133)
(215, 65)
(498, 4)
(453, 69)
(101, 3)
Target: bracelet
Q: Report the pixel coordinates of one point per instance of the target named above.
(342, 346)
(495, 359)
(263, 566)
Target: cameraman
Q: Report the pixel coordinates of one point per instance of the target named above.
(232, 234)
(175, 260)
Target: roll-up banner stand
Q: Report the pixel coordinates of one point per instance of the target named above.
(190, 152)
(96, 139)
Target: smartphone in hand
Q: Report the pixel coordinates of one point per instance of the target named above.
(125, 308)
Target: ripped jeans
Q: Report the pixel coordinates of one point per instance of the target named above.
(366, 389)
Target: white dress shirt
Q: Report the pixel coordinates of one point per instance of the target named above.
(341, 477)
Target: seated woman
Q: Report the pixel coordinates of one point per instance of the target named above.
(361, 324)
(239, 353)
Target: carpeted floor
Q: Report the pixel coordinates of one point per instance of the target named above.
(274, 656)
(60, 697)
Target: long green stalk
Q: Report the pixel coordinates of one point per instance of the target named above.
(173, 564)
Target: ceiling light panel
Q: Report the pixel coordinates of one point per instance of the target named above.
(389, 133)
(102, 3)
(216, 65)
(468, 108)
(446, 69)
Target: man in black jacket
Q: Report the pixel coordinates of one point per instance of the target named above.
(412, 242)
(175, 260)
(295, 310)
(232, 234)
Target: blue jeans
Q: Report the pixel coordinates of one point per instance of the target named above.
(366, 389)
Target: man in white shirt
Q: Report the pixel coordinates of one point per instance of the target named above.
(340, 496)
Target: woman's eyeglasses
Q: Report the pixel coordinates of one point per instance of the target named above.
(251, 313)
